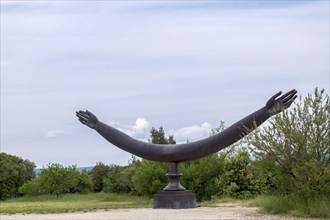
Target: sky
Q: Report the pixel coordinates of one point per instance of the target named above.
(182, 65)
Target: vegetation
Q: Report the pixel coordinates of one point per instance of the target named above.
(292, 156)
(238, 179)
(286, 168)
(295, 205)
(97, 174)
(56, 180)
(293, 152)
(73, 202)
(13, 173)
(118, 180)
(200, 176)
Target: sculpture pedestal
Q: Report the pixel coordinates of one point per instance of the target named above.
(174, 195)
(184, 199)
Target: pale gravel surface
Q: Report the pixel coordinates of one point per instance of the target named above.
(223, 211)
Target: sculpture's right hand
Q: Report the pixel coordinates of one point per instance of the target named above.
(277, 104)
(87, 118)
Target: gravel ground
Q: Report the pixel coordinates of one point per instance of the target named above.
(224, 211)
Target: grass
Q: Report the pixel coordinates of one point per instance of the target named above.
(215, 202)
(86, 203)
(317, 206)
(298, 206)
(73, 203)
(293, 205)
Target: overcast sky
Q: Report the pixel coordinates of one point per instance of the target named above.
(183, 65)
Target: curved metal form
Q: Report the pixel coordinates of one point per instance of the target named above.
(194, 150)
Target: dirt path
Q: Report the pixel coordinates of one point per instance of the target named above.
(223, 211)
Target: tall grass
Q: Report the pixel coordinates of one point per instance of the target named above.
(317, 206)
(218, 201)
(73, 203)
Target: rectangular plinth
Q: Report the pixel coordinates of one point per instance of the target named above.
(184, 199)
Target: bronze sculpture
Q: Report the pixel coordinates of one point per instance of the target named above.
(189, 151)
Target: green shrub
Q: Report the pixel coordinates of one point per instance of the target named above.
(200, 175)
(292, 152)
(238, 179)
(56, 180)
(14, 173)
(117, 180)
(97, 174)
(150, 177)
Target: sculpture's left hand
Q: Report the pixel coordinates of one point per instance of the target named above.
(276, 105)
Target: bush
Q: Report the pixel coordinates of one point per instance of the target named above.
(14, 173)
(98, 173)
(150, 177)
(200, 175)
(293, 150)
(29, 188)
(83, 183)
(238, 179)
(56, 180)
(119, 179)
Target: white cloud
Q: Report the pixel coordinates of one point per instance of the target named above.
(139, 130)
(54, 133)
(192, 133)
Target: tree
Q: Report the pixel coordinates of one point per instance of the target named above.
(158, 137)
(13, 173)
(119, 179)
(238, 179)
(99, 171)
(294, 149)
(56, 180)
(84, 183)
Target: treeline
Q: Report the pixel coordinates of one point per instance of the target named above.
(288, 155)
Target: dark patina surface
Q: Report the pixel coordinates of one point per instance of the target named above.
(189, 151)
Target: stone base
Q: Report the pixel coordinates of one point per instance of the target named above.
(184, 199)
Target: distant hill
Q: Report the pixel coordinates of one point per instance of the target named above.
(38, 170)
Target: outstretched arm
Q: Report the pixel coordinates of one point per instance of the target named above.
(236, 131)
(273, 106)
(192, 150)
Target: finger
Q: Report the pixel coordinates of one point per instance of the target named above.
(285, 99)
(291, 101)
(84, 117)
(89, 113)
(272, 101)
(79, 113)
(276, 95)
(82, 121)
(287, 94)
(83, 114)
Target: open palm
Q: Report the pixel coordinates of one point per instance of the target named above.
(87, 118)
(276, 105)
